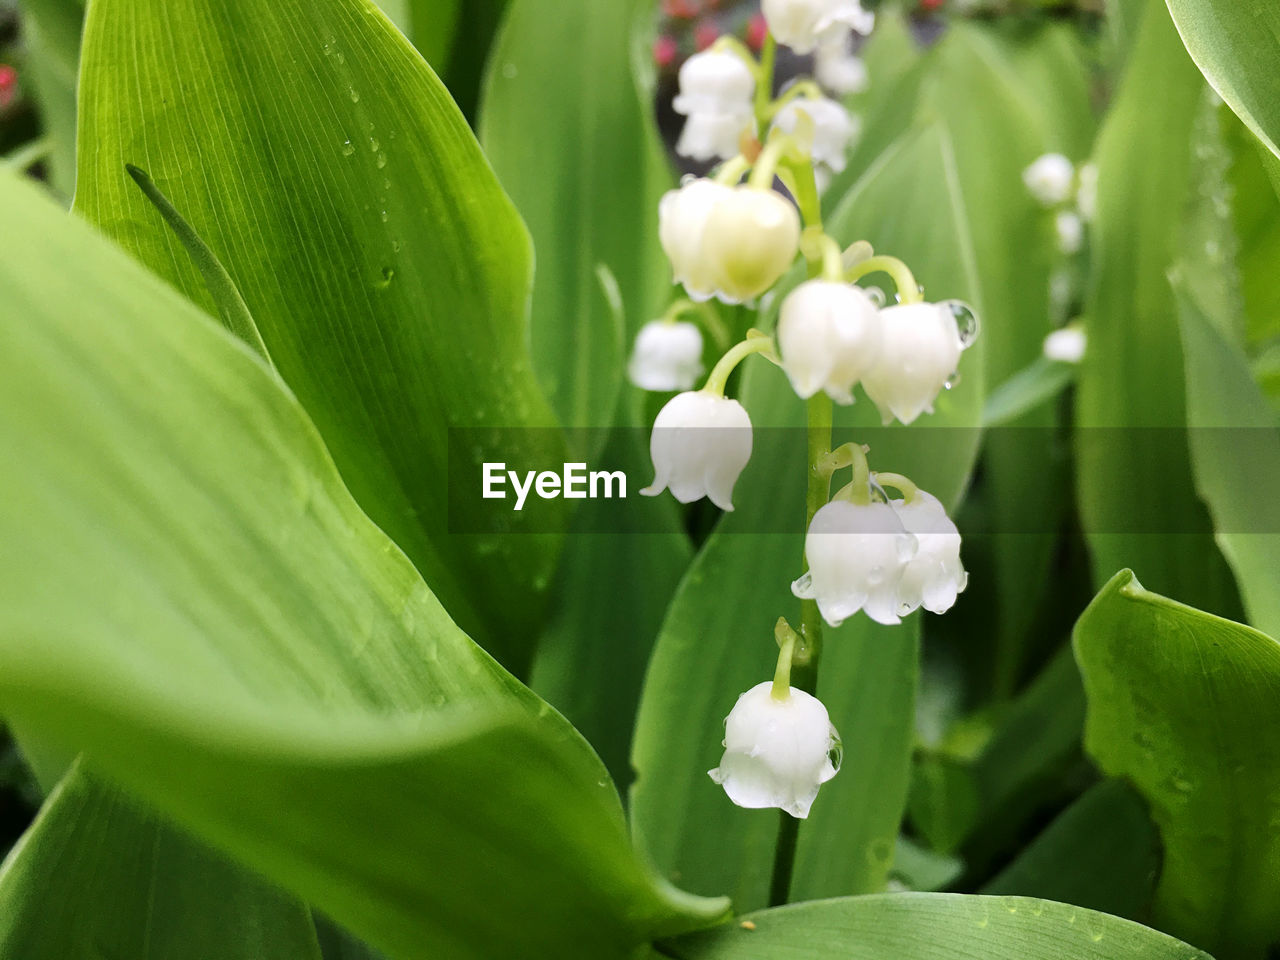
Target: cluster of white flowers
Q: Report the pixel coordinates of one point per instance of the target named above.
(1054, 182)
(733, 241)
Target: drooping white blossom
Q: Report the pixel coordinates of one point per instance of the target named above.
(728, 242)
(920, 347)
(1087, 192)
(777, 752)
(833, 130)
(700, 444)
(934, 577)
(1069, 229)
(1066, 345)
(666, 356)
(856, 555)
(716, 88)
(803, 24)
(1050, 179)
(837, 68)
(828, 337)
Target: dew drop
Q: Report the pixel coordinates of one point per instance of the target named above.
(395, 246)
(953, 381)
(384, 216)
(386, 183)
(875, 575)
(340, 57)
(509, 71)
(1010, 904)
(804, 584)
(355, 95)
(374, 145)
(387, 275)
(967, 323)
(876, 295)
(348, 148)
(382, 160)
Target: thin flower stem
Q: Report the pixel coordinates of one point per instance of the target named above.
(764, 82)
(801, 88)
(782, 674)
(732, 171)
(900, 483)
(903, 278)
(719, 375)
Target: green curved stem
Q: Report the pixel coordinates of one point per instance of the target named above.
(903, 278)
(900, 483)
(719, 375)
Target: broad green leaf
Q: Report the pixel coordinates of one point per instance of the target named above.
(1102, 853)
(718, 636)
(1136, 498)
(243, 643)
(320, 159)
(1034, 385)
(1235, 46)
(933, 926)
(1180, 705)
(1255, 211)
(99, 878)
(51, 32)
(574, 142)
(1235, 448)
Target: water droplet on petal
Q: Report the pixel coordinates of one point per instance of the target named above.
(953, 381)
(875, 295)
(967, 323)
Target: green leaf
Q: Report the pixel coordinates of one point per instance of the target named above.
(51, 32)
(1235, 448)
(1180, 703)
(320, 159)
(575, 143)
(933, 926)
(711, 650)
(1235, 46)
(1136, 497)
(244, 641)
(1031, 387)
(1102, 853)
(99, 878)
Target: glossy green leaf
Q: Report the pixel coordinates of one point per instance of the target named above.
(320, 159)
(1102, 853)
(1235, 46)
(1137, 502)
(718, 637)
(99, 878)
(1235, 448)
(1180, 703)
(933, 926)
(243, 640)
(1031, 387)
(574, 142)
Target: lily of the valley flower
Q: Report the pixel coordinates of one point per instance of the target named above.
(716, 88)
(833, 130)
(1070, 232)
(837, 68)
(666, 356)
(700, 444)
(1066, 345)
(778, 752)
(828, 336)
(920, 347)
(934, 577)
(803, 24)
(728, 242)
(856, 555)
(1050, 179)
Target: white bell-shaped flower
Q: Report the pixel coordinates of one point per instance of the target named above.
(1087, 192)
(920, 347)
(833, 129)
(700, 444)
(1050, 179)
(856, 555)
(837, 68)
(682, 224)
(934, 577)
(713, 136)
(777, 753)
(715, 82)
(666, 356)
(751, 239)
(1070, 232)
(803, 24)
(828, 336)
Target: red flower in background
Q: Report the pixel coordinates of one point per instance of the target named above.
(8, 85)
(705, 35)
(665, 50)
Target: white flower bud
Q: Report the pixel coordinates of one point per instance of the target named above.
(837, 68)
(1070, 230)
(713, 136)
(666, 356)
(682, 223)
(1087, 192)
(727, 242)
(828, 336)
(934, 577)
(715, 82)
(700, 445)
(856, 555)
(1066, 345)
(777, 752)
(803, 24)
(834, 129)
(1050, 179)
(920, 347)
